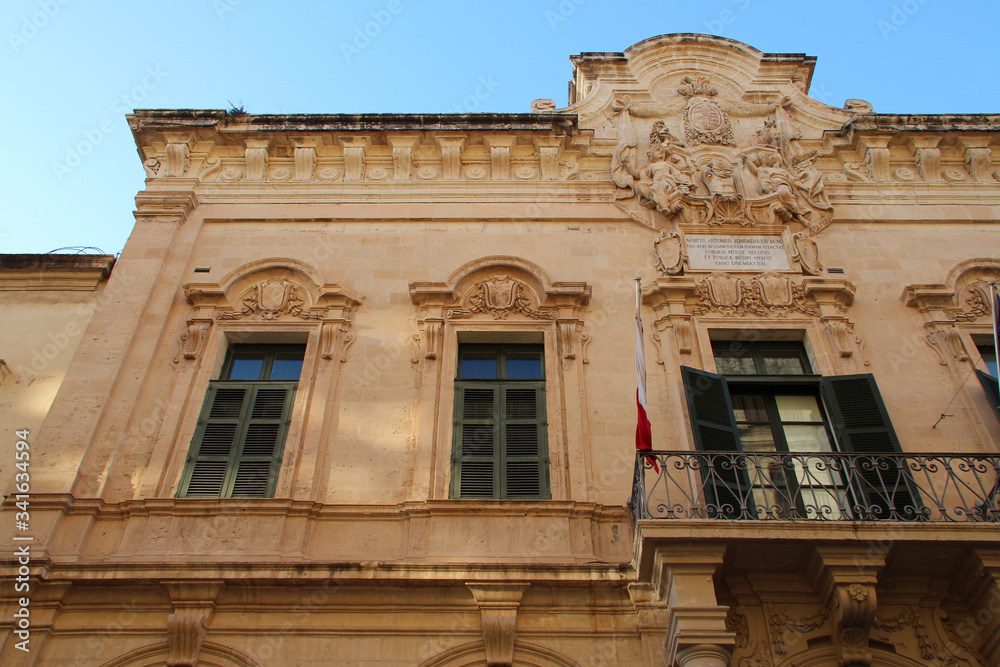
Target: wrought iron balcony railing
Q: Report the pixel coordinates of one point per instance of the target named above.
(780, 486)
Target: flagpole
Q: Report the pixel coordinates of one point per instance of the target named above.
(996, 326)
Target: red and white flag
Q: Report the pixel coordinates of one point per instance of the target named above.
(996, 324)
(643, 432)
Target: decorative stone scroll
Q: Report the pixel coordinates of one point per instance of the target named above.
(498, 605)
(962, 302)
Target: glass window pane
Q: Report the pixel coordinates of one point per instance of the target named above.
(783, 362)
(524, 366)
(479, 365)
(287, 366)
(989, 355)
(756, 438)
(733, 358)
(807, 438)
(798, 409)
(749, 408)
(246, 366)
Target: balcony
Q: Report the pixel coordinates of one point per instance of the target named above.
(816, 487)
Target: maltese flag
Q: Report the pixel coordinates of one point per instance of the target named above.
(643, 432)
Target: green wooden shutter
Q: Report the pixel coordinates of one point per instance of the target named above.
(500, 446)
(477, 431)
(238, 444)
(525, 455)
(862, 425)
(992, 390)
(714, 426)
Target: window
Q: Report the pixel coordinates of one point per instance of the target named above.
(237, 446)
(499, 448)
(767, 400)
(988, 378)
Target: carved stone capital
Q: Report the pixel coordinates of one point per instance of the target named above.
(498, 605)
(171, 205)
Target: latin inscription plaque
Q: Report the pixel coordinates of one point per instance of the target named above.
(736, 253)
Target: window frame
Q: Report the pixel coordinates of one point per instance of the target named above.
(501, 384)
(291, 407)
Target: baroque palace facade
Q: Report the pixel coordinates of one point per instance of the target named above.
(360, 388)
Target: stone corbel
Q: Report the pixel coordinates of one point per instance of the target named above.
(304, 155)
(402, 155)
(431, 336)
(256, 158)
(833, 297)
(845, 577)
(548, 157)
(177, 153)
(194, 604)
(927, 156)
(569, 331)
(876, 157)
(194, 338)
(336, 337)
(978, 157)
(451, 156)
(354, 157)
(500, 146)
(946, 341)
(185, 634)
(980, 585)
(498, 605)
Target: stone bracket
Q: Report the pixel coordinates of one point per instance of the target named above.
(845, 578)
(498, 604)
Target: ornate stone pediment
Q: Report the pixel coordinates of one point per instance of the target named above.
(271, 299)
(499, 296)
(765, 295)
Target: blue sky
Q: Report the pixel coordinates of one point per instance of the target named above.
(71, 69)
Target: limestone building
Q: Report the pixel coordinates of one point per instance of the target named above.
(361, 391)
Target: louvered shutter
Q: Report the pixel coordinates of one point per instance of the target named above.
(881, 489)
(239, 440)
(500, 447)
(714, 427)
(992, 390)
(524, 460)
(477, 432)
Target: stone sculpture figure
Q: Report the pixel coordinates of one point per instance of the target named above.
(772, 177)
(664, 176)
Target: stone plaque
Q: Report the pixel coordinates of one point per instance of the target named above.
(736, 253)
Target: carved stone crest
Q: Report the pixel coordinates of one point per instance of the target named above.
(499, 296)
(271, 299)
(768, 294)
(712, 178)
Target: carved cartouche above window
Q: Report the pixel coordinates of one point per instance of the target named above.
(271, 299)
(499, 296)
